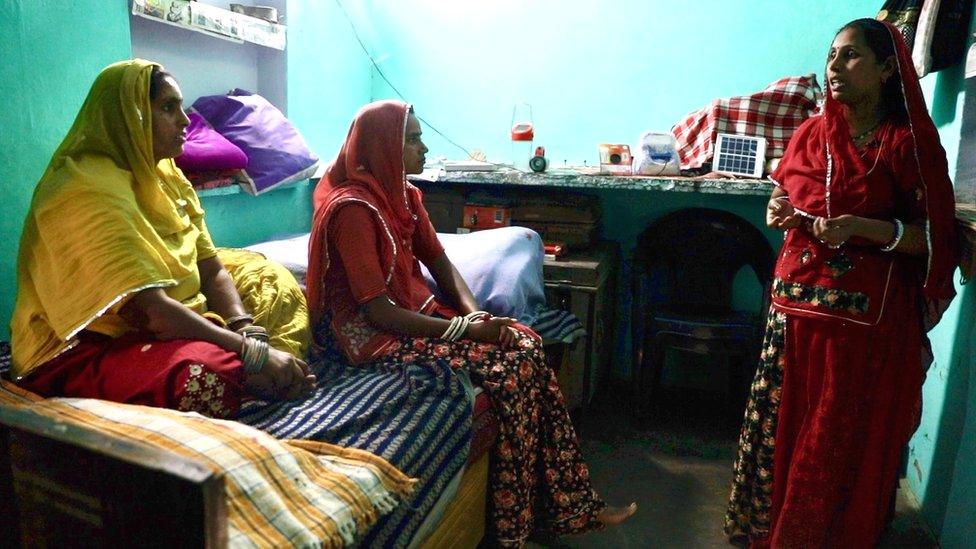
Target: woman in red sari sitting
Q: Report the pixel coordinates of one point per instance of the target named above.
(864, 195)
(370, 233)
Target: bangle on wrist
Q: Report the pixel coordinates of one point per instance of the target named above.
(456, 328)
(254, 354)
(899, 232)
(478, 316)
(255, 331)
(231, 320)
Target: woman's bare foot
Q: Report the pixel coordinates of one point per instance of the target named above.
(612, 516)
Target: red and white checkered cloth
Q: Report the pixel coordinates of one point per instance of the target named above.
(773, 113)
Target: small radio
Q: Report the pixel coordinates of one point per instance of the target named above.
(615, 159)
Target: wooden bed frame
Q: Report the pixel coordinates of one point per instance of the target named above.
(65, 485)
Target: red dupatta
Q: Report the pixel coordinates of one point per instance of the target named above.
(822, 175)
(369, 171)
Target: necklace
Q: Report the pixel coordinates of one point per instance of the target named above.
(861, 136)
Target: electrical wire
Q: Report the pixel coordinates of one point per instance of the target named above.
(379, 71)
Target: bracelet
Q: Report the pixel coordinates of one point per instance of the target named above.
(238, 318)
(478, 316)
(456, 329)
(254, 354)
(255, 331)
(899, 232)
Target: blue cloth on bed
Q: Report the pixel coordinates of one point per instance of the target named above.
(503, 268)
(417, 418)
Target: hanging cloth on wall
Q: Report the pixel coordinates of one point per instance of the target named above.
(943, 43)
(903, 14)
(935, 30)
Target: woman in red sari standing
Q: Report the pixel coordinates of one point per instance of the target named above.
(369, 234)
(864, 196)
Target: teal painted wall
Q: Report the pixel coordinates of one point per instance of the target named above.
(51, 52)
(328, 73)
(942, 464)
(594, 72)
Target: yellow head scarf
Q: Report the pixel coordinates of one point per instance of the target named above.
(105, 221)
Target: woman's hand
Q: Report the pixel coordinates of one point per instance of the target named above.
(497, 330)
(781, 215)
(282, 377)
(834, 231)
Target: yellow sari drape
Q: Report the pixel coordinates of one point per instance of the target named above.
(105, 222)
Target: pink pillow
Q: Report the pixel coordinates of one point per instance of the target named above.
(207, 150)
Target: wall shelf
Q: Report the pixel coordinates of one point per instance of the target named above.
(236, 189)
(212, 21)
(569, 179)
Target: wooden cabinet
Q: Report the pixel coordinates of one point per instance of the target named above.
(582, 283)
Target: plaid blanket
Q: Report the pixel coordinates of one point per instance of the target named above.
(774, 113)
(279, 493)
(416, 418)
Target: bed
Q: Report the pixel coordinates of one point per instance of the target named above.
(70, 484)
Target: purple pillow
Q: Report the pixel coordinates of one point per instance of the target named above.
(276, 152)
(206, 150)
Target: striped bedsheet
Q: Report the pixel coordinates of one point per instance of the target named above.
(416, 418)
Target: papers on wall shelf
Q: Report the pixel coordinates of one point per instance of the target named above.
(213, 21)
(469, 166)
(429, 174)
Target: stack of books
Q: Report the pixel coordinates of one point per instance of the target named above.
(553, 250)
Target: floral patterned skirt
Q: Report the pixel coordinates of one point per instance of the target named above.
(537, 477)
(752, 485)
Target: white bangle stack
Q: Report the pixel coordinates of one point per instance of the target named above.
(899, 232)
(456, 329)
(478, 316)
(254, 353)
(459, 324)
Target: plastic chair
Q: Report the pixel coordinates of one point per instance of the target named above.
(683, 273)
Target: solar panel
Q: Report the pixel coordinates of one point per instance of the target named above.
(739, 155)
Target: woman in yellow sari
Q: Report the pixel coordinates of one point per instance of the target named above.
(121, 294)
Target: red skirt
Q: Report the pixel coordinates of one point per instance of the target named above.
(181, 374)
(832, 406)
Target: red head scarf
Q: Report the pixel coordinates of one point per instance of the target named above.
(369, 170)
(372, 159)
(821, 175)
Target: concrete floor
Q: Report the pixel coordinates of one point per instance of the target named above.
(676, 464)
